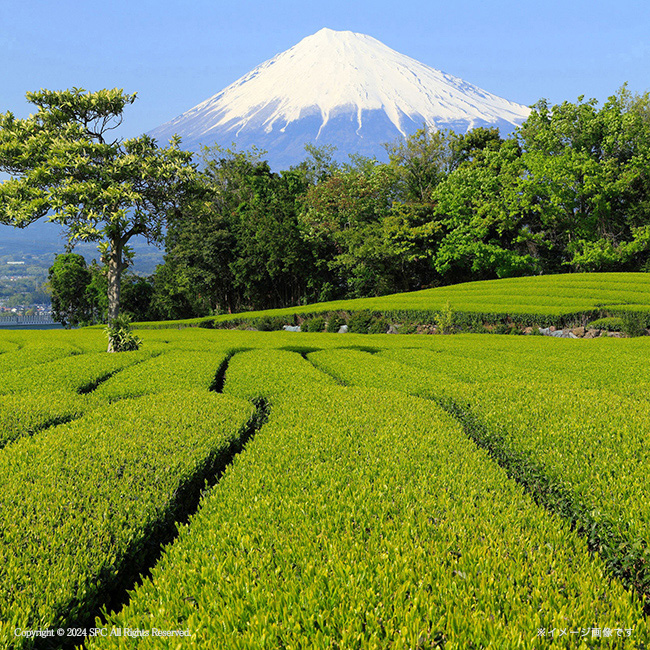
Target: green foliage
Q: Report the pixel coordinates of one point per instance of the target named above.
(568, 300)
(120, 336)
(96, 470)
(335, 322)
(634, 324)
(360, 322)
(506, 328)
(408, 328)
(136, 296)
(444, 319)
(237, 244)
(421, 161)
(379, 326)
(316, 324)
(192, 369)
(609, 323)
(540, 430)
(392, 514)
(69, 279)
(62, 162)
(366, 497)
(268, 323)
(569, 191)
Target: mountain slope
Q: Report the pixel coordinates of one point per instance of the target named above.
(338, 88)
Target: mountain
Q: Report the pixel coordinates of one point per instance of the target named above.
(339, 88)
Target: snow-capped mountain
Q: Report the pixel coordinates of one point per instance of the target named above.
(339, 88)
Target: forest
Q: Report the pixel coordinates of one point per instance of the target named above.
(569, 191)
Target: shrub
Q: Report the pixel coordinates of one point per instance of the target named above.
(380, 326)
(316, 324)
(476, 326)
(408, 328)
(334, 323)
(611, 324)
(633, 324)
(505, 328)
(268, 323)
(120, 336)
(360, 322)
(444, 319)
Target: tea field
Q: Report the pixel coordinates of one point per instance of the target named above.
(226, 489)
(543, 300)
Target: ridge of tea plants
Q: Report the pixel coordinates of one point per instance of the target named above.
(559, 300)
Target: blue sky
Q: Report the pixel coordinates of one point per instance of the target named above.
(176, 54)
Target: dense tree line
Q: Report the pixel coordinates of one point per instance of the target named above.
(568, 191)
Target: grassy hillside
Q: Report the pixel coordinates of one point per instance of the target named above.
(542, 300)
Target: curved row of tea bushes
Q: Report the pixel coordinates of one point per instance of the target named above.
(33, 354)
(563, 364)
(35, 401)
(584, 453)
(25, 415)
(183, 368)
(32, 348)
(41, 395)
(83, 505)
(590, 444)
(7, 346)
(76, 374)
(367, 519)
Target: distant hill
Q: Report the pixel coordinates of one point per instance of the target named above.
(45, 240)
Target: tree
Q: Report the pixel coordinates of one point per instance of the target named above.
(422, 160)
(69, 279)
(586, 186)
(237, 245)
(63, 163)
(482, 237)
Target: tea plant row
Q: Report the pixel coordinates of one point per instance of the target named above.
(365, 518)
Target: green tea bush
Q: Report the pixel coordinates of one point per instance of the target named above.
(609, 323)
(334, 323)
(541, 432)
(268, 323)
(316, 324)
(359, 323)
(379, 326)
(27, 414)
(360, 518)
(34, 353)
(177, 369)
(86, 485)
(407, 328)
(81, 373)
(633, 324)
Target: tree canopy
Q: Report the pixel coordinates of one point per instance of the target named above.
(65, 165)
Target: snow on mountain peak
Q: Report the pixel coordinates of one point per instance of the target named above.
(335, 73)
